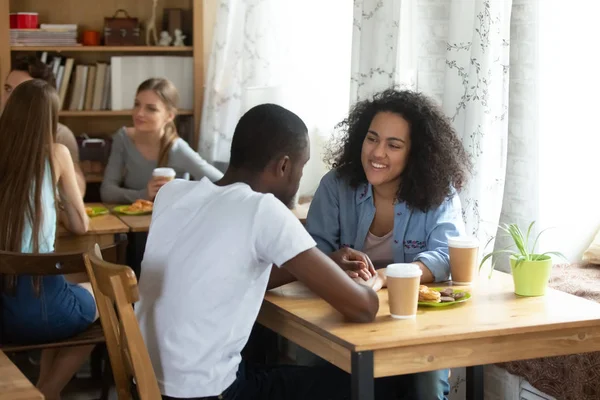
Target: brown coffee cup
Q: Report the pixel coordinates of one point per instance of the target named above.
(464, 251)
(403, 289)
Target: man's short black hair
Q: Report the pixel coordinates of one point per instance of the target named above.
(35, 68)
(264, 133)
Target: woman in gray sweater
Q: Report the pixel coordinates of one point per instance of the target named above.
(152, 142)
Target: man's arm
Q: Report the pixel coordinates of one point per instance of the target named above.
(282, 240)
(324, 278)
(279, 277)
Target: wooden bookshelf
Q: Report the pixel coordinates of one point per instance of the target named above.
(111, 49)
(92, 18)
(108, 113)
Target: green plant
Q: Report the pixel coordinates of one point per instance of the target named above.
(521, 242)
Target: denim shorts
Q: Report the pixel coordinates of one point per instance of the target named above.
(61, 310)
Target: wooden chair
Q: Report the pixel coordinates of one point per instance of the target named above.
(115, 288)
(53, 264)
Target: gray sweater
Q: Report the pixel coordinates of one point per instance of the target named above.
(127, 172)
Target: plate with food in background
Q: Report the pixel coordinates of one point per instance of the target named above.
(441, 297)
(139, 207)
(95, 211)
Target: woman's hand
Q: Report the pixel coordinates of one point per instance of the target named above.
(154, 185)
(356, 263)
(376, 282)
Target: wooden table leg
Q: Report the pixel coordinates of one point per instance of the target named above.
(363, 381)
(475, 382)
(135, 251)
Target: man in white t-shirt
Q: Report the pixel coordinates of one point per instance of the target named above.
(212, 251)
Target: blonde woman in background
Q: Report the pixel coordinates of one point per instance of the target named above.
(152, 142)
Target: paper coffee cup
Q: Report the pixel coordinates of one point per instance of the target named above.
(164, 173)
(403, 289)
(463, 251)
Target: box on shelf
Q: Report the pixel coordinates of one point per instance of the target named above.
(23, 20)
(121, 31)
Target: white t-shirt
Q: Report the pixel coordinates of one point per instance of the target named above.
(205, 271)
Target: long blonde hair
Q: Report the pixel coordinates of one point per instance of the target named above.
(27, 130)
(167, 93)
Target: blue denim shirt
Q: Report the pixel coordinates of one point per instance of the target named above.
(340, 216)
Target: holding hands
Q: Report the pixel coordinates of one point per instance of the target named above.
(359, 267)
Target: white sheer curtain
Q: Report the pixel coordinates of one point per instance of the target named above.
(458, 52)
(554, 138)
(294, 53)
(246, 52)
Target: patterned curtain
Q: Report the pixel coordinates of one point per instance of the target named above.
(246, 53)
(458, 52)
(461, 58)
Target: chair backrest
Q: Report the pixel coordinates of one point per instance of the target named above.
(40, 264)
(44, 264)
(115, 287)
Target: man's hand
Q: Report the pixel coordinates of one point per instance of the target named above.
(356, 263)
(376, 282)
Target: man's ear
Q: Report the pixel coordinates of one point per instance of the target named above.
(283, 165)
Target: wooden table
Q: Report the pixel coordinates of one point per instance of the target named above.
(301, 211)
(141, 223)
(136, 223)
(13, 384)
(102, 230)
(494, 326)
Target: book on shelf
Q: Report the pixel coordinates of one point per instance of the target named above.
(48, 35)
(80, 86)
(98, 96)
(64, 84)
(127, 72)
(89, 93)
(104, 86)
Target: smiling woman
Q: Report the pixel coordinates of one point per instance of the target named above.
(152, 142)
(392, 194)
(421, 148)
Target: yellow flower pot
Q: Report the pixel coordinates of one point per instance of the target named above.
(531, 277)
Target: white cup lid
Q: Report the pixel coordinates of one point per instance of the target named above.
(463, 242)
(168, 172)
(403, 270)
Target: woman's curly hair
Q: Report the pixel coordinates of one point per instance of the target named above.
(437, 162)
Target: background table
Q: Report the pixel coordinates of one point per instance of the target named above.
(102, 230)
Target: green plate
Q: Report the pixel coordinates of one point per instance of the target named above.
(431, 304)
(97, 211)
(123, 210)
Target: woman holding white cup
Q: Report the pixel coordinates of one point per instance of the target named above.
(152, 143)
